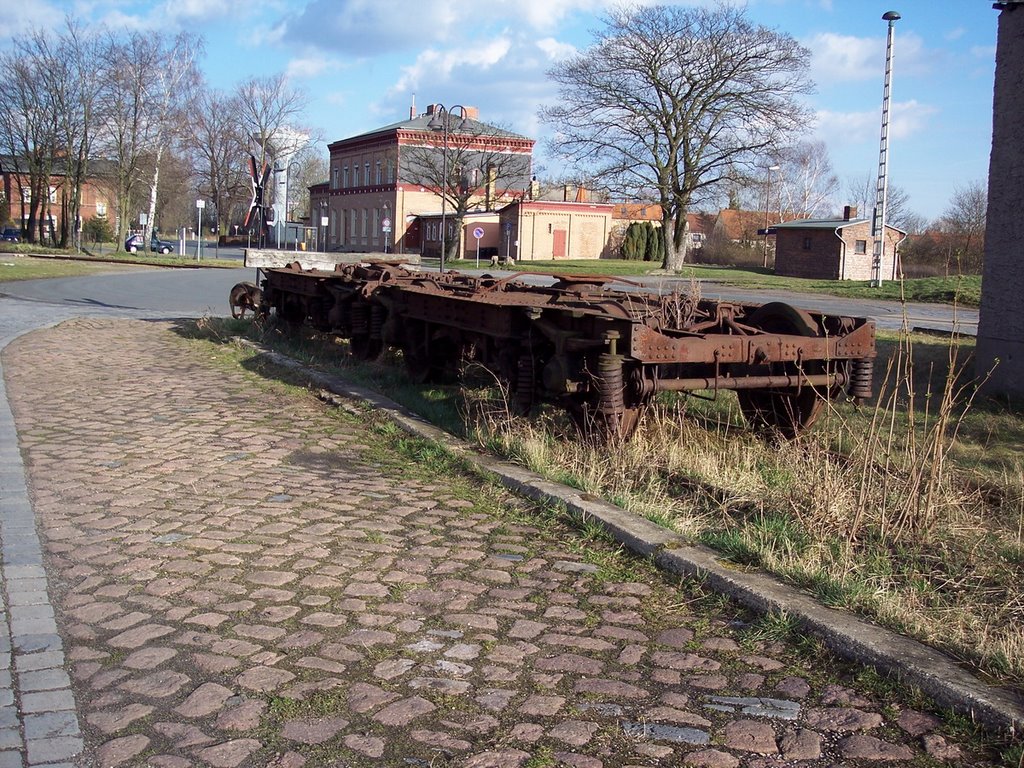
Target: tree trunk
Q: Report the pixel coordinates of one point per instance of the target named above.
(148, 229)
(675, 245)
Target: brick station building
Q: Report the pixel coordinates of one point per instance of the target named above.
(833, 249)
(374, 177)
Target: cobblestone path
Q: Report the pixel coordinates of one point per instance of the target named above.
(242, 580)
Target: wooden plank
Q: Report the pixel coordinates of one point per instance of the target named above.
(268, 258)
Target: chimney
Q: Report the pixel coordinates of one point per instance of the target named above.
(472, 113)
(849, 212)
(582, 195)
(565, 193)
(412, 109)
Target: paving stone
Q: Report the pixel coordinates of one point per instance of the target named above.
(750, 736)
(313, 730)
(404, 712)
(542, 706)
(506, 758)
(842, 719)
(917, 723)
(711, 758)
(371, 746)
(241, 716)
(48, 725)
(860, 746)
(264, 678)
(112, 721)
(573, 732)
(119, 751)
(204, 700)
(939, 749)
(229, 754)
(659, 732)
(801, 744)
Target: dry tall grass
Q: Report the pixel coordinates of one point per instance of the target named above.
(872, 510)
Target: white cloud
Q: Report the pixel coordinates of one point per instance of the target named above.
(908, 118)
(839, 58)
(955, 34)
(987, 52)
(556, 50)
(311, 66)
(438, 65)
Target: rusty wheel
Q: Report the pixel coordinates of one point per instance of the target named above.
(787, 411)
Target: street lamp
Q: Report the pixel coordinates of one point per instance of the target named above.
(438, 123)
(387, 227)
(287, 171)
(767, 204)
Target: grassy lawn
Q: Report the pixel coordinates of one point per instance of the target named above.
(965, 290)
(16, 267)
(87, 256)
(909, 510)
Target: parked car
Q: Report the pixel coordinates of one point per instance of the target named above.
(134, 243)
(11, 235)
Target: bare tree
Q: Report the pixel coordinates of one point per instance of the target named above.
(127, 133)
(807, 183)
(861, 192)
(266, 106)
(28, 127)
(672, 101)
(170, 93)
(219, 152)
(477, 171)
(964, 219)
(72, 71)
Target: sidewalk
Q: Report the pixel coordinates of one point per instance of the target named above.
(243, 577)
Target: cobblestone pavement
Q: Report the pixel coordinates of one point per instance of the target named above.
(242, 577)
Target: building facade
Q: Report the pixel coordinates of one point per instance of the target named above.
(380, 182)
(834, 249)
(14, 183)
(540, 230)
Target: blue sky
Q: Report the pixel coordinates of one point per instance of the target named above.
(362, 61)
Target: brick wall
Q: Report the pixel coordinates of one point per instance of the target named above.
(828, 257)
(1001, 326)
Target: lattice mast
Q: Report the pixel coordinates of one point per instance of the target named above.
(882, 188)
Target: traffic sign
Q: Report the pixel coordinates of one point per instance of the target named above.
(478, 232)
(386, 225)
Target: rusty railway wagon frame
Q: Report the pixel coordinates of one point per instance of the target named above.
(599, 352)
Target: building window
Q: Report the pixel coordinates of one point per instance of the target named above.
(352, 223)
(366, 177)
(53, 194)
(334, 177)
(366, 222)
(807, 243)
(26, 195)
(376, 217)
(391, 171)
(344, 177)
(101, 208)
(380, 176)
(860, 246)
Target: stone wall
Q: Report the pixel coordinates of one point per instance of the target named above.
(1001, 324)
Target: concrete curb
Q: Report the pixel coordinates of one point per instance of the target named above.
(912, 662)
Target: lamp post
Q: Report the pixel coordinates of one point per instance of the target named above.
(878, 215)
(287, 171)
(767, 204)
(323, 219)
(439, 122)
(386, 228)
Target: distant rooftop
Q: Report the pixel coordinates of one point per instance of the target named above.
(470, 126)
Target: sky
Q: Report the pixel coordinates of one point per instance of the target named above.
(362, 62)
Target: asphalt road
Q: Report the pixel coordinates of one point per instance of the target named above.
(198, 292)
